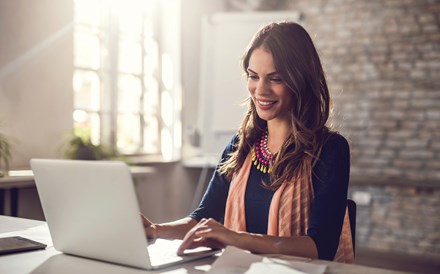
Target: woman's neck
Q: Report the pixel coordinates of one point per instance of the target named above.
(277, 134)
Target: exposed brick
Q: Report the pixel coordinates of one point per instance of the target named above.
(392, 171)
(416, 144)
(404, 164)
(417, 154)
(433, 175)
(434, 165)
(430, 28)
(432, 114)
(386, 153)
(394, 222)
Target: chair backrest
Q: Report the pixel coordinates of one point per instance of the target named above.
(352, 216)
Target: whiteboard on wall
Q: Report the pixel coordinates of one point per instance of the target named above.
(222, 87)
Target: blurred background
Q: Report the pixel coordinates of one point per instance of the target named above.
(122, 78)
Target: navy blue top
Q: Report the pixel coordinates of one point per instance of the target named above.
(330, 183)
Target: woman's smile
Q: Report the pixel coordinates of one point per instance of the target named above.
(265, 104)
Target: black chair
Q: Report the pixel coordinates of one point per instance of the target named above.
(352, 216)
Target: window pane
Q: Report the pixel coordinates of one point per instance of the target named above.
(130, 56)
(129, 94)
(166, 108)
(151, 98)
(128, 136)
(151, 60)
(87, 87)
(130, 16)
(86, 53)
(88, 12)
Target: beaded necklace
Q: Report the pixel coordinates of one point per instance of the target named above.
(261, 155)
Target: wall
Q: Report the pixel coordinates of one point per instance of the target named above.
(192, 13)
(36, 97)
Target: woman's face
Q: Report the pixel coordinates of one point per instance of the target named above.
(271, 97)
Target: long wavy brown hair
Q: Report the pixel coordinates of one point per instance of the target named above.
(297, 62)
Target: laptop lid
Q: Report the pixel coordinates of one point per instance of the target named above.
(92, 211)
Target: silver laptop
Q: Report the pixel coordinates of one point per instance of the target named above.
(92, 211)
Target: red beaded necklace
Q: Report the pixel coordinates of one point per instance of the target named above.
(261, 155)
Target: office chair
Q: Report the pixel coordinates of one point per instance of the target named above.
(352, 216)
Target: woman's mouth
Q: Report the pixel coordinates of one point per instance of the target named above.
(265, 104)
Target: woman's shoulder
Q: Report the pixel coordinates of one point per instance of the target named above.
(335, 144)
(231, 146)
(333, 159)
(336, 139)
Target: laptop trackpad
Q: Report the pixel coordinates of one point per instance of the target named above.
(165, 252)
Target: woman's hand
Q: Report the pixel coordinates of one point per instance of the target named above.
(208, 233)
(149, 228)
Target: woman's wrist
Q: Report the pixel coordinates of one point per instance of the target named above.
(240, 239)
(256, 243)
(152, 231)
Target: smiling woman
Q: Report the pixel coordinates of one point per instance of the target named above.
(281, 184)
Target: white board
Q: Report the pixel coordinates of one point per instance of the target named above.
(222, 88)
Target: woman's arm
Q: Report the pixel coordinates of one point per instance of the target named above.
(330, 180)
(302, 246)
(210, 233)
(171, 230)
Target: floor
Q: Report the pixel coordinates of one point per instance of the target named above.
(407, 263)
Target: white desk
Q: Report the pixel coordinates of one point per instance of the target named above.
(51, 261)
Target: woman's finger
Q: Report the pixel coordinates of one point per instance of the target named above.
(145, 220)
(150, 229)
(187, 242)
(191, 239)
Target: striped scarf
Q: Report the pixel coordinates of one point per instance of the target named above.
(290, 199)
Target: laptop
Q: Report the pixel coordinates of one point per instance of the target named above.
(92, 211)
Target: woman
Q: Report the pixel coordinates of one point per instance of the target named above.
(281, 185)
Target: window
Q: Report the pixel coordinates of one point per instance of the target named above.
(125, 80)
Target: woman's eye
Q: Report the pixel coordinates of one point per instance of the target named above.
(276, 79)
(253, 77)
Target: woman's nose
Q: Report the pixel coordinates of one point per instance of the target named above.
(261, 87)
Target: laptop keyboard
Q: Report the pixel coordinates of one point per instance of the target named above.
(164, 252)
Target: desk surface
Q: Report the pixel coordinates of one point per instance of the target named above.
(25, 178)
(51, 261)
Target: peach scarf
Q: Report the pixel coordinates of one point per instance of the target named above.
(289, 200)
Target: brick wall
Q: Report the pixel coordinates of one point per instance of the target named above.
(401, 219)
(382, 60)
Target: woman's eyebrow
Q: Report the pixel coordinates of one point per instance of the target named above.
(251, 71)
(269, 74)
